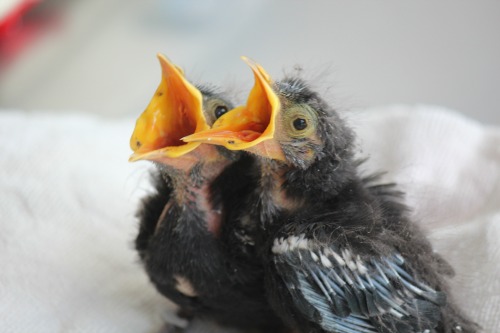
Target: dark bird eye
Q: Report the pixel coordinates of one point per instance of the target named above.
(220, 110)
(300, 124)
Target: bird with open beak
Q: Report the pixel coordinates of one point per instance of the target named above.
(185, 242)
(340, 252)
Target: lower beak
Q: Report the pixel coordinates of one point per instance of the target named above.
(251, 127)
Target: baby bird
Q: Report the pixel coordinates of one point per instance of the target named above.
(184, 242)
(340, 253)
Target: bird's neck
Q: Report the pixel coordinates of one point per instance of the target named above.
(271, 195)
(324, 179)
(284, 188)
(191, 190)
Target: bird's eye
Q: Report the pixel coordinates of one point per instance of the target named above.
(220, 110)
(300, 121)
(300, 124)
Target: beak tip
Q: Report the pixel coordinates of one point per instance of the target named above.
(196, 137)
(136, 157)
(161, 56)
(248, 61)
(187, 138)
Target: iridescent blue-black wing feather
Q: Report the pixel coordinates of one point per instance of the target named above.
(343, 292)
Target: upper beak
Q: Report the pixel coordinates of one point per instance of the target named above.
(174, 112)
(251, 127)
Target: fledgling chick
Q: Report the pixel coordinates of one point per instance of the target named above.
(184, 240)
(340, 252)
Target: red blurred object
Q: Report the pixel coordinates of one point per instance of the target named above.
(9, 20)
(22, 22)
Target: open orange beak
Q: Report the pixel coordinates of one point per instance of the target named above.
(251, 127)
(176, 110)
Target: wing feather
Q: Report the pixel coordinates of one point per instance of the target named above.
(342, 292)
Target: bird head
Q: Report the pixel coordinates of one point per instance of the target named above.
(177, 109)
(284, 121)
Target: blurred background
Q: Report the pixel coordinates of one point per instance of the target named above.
(98, 56)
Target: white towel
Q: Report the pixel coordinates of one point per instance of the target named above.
(68, 198)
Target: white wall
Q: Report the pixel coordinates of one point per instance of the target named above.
(102, 57)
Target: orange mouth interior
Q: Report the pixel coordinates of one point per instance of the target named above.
(174, 112)
(246, 126)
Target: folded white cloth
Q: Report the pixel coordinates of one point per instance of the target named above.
(68, 198)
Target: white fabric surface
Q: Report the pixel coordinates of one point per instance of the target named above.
(68, 196)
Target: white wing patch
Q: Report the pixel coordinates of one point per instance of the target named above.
(283, 245)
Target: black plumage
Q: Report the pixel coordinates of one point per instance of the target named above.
(185, 240)
(340, 252)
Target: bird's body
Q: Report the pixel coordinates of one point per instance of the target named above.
(355, 263)
(186, 241)
(187, 258)
(340, 253)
